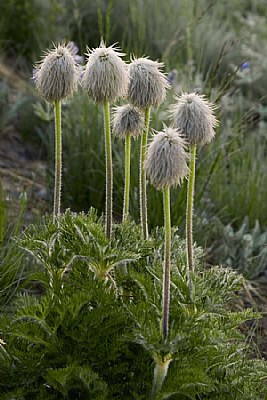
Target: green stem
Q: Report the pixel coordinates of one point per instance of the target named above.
(109, 177)
(142, 176)
(160, 372)
(190, 211)
(126, 200)
(167, 263)
(58, 160)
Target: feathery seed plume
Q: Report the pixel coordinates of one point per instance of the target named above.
(148, 84)
(127, 119)
(194, 115)
(56, 76)
(106, 76)
(166, 160)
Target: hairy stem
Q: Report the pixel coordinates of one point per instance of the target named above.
(109, 177)
(126, 199)
(160, 372)
(190, 211)
(58, 160)
(142, 176)
(167, 264)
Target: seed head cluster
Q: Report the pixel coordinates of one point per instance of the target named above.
(166, 160)
(127, 119)
(56, 76)
(106, 76)
(148, 84)
(194, 116)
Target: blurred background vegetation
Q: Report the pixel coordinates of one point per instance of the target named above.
(217, 48)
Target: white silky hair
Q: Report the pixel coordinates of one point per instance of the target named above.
(106, 76)
(56, 76)
(148, 83)
(166, 159)
(195, 117)
(127, 119)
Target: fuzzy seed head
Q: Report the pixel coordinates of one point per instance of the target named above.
(56, 76)
(106, 76)
(194, 116)
(166, 159)
(127, 119)
(148, 84)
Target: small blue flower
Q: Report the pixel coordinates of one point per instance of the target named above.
(244, 65)
(74, 49)
(171, 77)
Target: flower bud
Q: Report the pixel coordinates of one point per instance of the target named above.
(127, 119)
(166, 160)
(194, 116)
(106, 76)
(56, 76)
(147, 83)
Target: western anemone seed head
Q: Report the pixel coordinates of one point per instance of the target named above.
(194, 115)
(166, 159)
(56, 76)
(106, 76)
(148, 84)
(127, 119)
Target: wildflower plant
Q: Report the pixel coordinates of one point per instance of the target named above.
(194, 116)
(147, 88)
(166, 165)
(128, 122)
(87, 327)
(106, 79)
(56, 79)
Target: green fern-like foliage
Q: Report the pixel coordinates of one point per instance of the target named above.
(93, 330)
